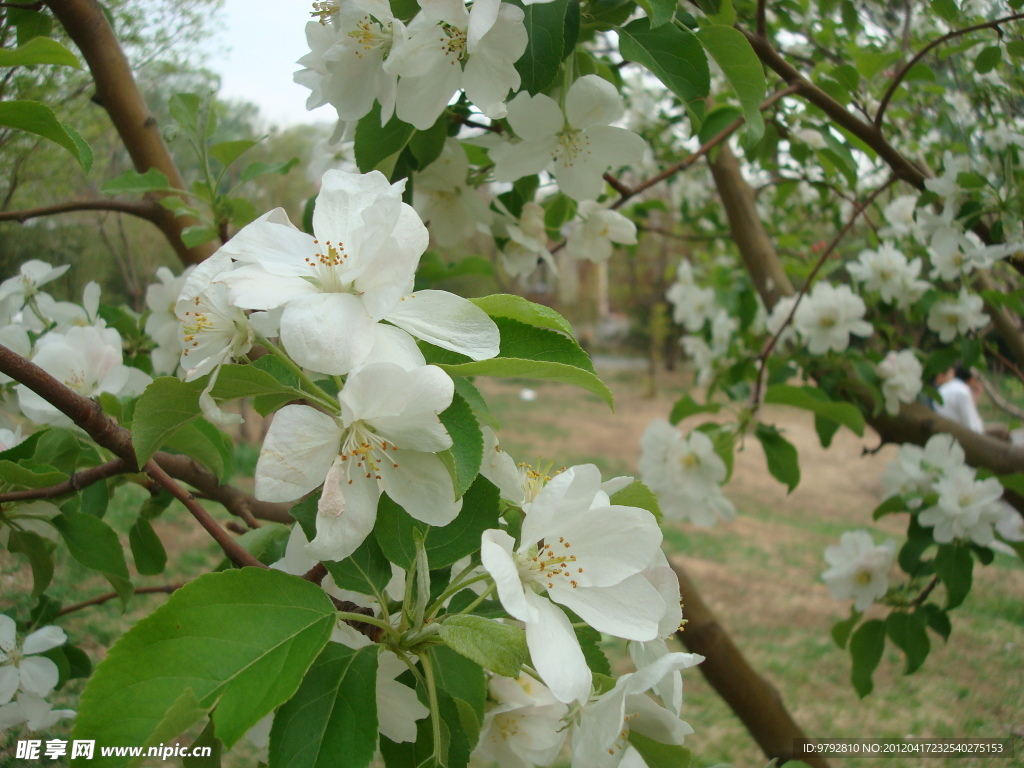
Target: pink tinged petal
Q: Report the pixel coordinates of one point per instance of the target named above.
(513, 161)
(346, 513)
(44, 639)
(448, 321)
(591, 101)
(535, 117)
(481, 19)
(630, 609)
(656, 722)
(556, 652)
(39, 675)
(329, 332)
(297, 453)
(393, 345)
(421, 485)
(9, 682)
(496, 557)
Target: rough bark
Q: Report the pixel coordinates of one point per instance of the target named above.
(116, 91)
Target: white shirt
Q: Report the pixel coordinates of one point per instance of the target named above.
(958, 405)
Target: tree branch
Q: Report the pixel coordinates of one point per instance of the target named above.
(902, 73)
(73, 484)
(754, 700)
(149, 210)
(116, 91)
(168, 589)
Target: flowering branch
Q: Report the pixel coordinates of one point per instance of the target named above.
(147, 209)
(769, 347)
(902, 73)
(73, 484)
(99, 600)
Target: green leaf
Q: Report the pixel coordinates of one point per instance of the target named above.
(826, 429)
(890, 506)
(468, 442)
(226, 152)
(207, 445)
(332, 718)
(636, 494)
(426, 146)
(660, 11)
(375, 144)
(545, 29)
(33, 117)
(866, 647)
(444, 545)
(988, 59)
(133, 182)
(209, 739)
(29, 22)
(366, 570)
(147, 549)
(266, 543)
(716, 121)
(841, 629)
(686, 406)
(1015, 48)
(239, 640)
(918, 540)
(523, 310)
(947, 10)
(38, 50)
(94, 544)
(498, 647)
(235, 381)
(197, 235)
(460, 678)
(532, 352)
(39, 552)
(955, 567)
(590, 641)
(741, 67)
(465, 388)
(257, 169)
(938, 620)
(675, 57)
(658, 755)
(453, 751)
(783, 463)
(167, 405)
(817, 402)
(16, 476)
(907, 631)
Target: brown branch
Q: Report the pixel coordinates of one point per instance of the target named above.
(755, 701)
(766, 352)
(902, 73)
(167, 589)
(73, 484)
(235, 552)
(919, 600)
(149, 210)
(118, 94)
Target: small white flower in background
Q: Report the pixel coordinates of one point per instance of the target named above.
(10, 438)
(23, 668)
(345, 65)
(901, 379)
(447, 47)
(828, 315)
(586, 554)
(778, 315)
(527, 241)
(453, 210)
(859, 569)
(951, 317)
(703, 356)
(577, 146)
(600, 739)
(887, 271)
(15, 337)
(598, 227)
(33, 711)
(967, 508)
(386, 439)
(86, 359)
(946, 185)
(335, 288)
(691, 305)
(31, 276)
(900, 215)
(31, 517)
(162, 324)
(524, 727)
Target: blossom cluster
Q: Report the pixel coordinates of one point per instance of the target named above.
(27, 677)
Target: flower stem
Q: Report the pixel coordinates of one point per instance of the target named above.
(435, 709)
(453, 588)
(315, 392)
(483, 596)
(363, 618)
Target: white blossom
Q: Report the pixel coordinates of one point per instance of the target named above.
(967, 508)
(917, 469)
(527, 241)
(951, 317)
(524, 727)
(33, 711)
(859, 569)
(162, 324)
(453, 210)
(578, 147)
(887, 271)
(22, 668)
(901, 379)
(25, 285)
(598, 227)
(828, 315)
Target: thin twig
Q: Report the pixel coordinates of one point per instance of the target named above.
(235, 552)
(73, 484)
(769, 346)
(919, 600)
(902, 73)
(150, 211)
(167, 589)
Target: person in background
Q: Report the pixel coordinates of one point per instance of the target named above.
(959, 397)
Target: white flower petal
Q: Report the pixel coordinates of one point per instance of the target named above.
(297, 453)
(630, 609)
(556, 652)
(421, 485)
(44, 639)
(328, 332)
(448, 321)
(345, 515)
(591, 101)
(10, 680)
(496, 557)
(8, 634)
(39, 675)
